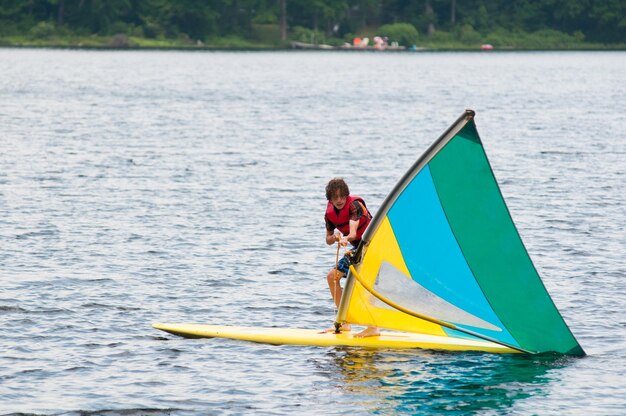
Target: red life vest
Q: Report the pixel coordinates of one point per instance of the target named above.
(341, 221)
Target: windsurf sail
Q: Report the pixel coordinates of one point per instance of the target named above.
(442, 256)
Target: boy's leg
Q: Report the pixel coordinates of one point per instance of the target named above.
(334, 278)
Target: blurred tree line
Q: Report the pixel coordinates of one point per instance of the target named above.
(602, 21)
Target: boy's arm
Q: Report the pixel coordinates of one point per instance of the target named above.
(332, 238)
(355, 216)
(354, 226)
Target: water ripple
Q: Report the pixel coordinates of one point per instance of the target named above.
(139, 187)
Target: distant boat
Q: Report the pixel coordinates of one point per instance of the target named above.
(347, 46)
(302, 45)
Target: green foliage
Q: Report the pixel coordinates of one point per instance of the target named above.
(8, 28)
(302, 34)
(441, 37)
(231, 42)
(403, 33)
(265, 18)
(120, 41)
(550, 39)
(136, 31)
(503, 23)
(467, 35)
(266, 33)
(118, 28)
(541, 39)
(43, 30)
(152, 29)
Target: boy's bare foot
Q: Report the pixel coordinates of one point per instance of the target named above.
(370, 331)
(343, 328)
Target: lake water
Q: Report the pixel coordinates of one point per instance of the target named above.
(147, 186)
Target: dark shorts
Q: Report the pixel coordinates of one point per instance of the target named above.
(343, 265)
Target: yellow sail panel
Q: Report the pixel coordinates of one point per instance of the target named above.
(364, 308)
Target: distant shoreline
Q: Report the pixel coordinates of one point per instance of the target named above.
(210, 48)
(129, 42)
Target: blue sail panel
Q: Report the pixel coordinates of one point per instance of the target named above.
(432, 254)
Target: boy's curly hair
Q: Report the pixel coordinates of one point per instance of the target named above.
(334, 185)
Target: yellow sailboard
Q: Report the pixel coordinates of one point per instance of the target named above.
(293, 336)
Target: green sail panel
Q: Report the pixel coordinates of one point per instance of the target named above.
(493, 249)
